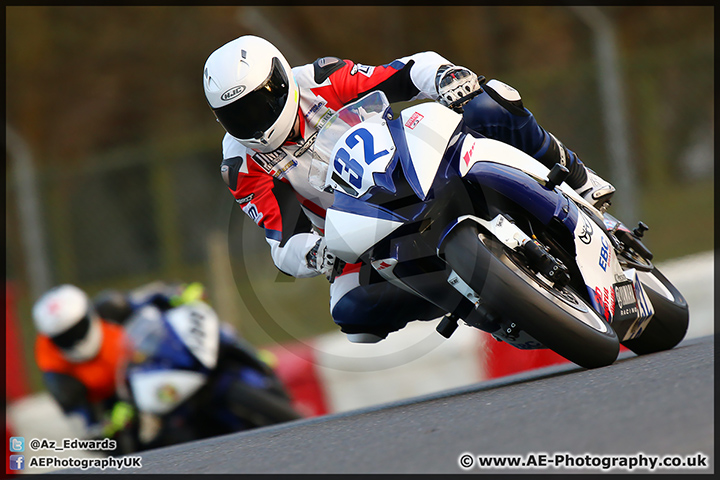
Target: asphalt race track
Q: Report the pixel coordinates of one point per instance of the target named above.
(656, 405)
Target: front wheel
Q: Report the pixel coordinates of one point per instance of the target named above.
(558, 318)
(259, 407)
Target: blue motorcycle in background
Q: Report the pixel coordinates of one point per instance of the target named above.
(488, 234)
(189, 378)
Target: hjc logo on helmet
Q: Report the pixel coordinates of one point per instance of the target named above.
(233, 92)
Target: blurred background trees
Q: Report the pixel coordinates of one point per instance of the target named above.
(126, 152)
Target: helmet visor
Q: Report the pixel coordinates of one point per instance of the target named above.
(252, 115)
(70, 337)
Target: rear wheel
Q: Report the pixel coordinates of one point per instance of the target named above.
(558, 318)
(669, 324)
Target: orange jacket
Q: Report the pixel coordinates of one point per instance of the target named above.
(97, 374)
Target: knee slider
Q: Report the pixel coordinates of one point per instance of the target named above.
(363, 337)
(506, 96)
(356, 319)
(491, 109)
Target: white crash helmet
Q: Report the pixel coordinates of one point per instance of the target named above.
(251, 89)
(65, 315)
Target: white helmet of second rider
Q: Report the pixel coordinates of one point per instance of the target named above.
(65, 315)
(250, 88)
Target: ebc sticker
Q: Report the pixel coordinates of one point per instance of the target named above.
(604, 253)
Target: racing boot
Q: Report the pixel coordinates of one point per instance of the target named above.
(583, 180)
(596, 190)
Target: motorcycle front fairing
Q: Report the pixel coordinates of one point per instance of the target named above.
(172, 355)
(374, 198)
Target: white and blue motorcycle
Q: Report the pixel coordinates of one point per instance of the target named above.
(488, 234)
(190, 378)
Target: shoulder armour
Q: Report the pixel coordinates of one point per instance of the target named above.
(325, 66)
(229, 170)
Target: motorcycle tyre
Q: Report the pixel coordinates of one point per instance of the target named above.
(259, 407)
(669, 324)
(509, 293)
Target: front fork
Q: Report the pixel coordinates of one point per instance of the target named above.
(537, 255)
(538, 259)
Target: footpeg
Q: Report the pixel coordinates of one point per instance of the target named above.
(447, 325)
(556, 176)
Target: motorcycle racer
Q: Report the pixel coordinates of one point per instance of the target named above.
(272, 113)
(77, 352)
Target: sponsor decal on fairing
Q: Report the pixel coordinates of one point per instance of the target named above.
(586, 231)
(467, 157)
(625, 296)
(604, 253)
(415, 118)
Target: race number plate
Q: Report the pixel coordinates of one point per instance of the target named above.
(644, 307)
(626, 302)
(360, 153)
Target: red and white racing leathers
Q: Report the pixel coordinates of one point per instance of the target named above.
(266, 185)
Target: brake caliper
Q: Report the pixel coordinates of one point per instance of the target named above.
(548, 266)
(538, 256)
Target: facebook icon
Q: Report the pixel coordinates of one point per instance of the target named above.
(17, 462)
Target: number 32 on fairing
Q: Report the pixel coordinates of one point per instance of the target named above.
(360, 153)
